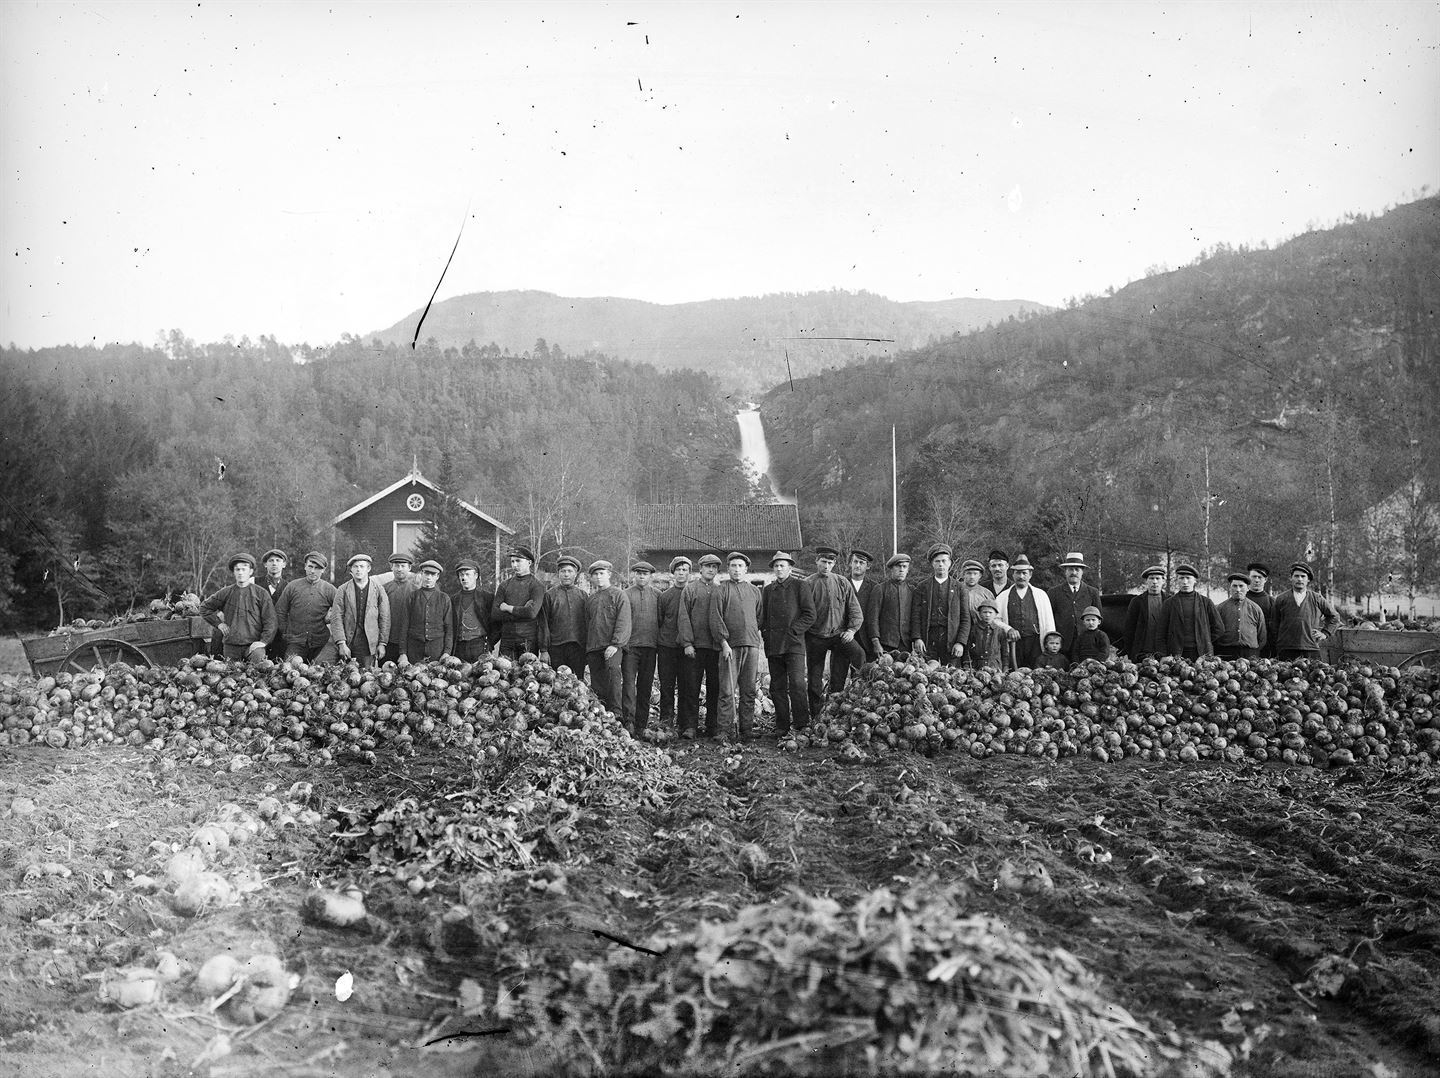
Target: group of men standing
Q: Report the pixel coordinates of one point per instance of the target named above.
(705, 632)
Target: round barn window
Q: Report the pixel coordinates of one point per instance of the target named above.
(415, 503)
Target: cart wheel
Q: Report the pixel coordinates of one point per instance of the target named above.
(100, 654)
(1422, 658)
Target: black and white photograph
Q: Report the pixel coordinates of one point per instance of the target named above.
(749, 539)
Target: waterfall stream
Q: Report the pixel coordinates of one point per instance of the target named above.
(754, 449)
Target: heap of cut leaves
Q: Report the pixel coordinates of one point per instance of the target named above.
(896, 983)
(1301, 712)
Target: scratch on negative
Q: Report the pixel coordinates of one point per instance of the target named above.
(438, 283)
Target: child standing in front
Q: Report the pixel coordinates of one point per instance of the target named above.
(1092, 642)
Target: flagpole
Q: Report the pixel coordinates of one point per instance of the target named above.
(894, 497)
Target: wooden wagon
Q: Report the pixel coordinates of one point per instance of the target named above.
(1384, 647)
(138, 643)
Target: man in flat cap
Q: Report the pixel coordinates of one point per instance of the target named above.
(429, 622)
(398, 590)
(1303, 618)
(700, 646)
(607, 631)
(359, 621)
(887, 615)
(517, 606)
(1069, 600)
(638, 666)
(1189, 622)
(970, 573)
(786, 611)
(1244, 621)
(838, 620)
(858, 578)
(999, 575)
(1142, 616)
(243, 613)
(940, 612)
(274, 563)
(563, 631)
(735, 623)
(1025, 614)
(472, 610)
(672, 664)
(304, 613)
(1259, 594)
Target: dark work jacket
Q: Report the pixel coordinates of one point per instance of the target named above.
(399, 594)
(428, 617)
(1137, 624)
(481, 601)
(956, 602)
(669, 609)
(865, 635)
(521, 625)
(1067, 609)
(562, 616)
(786, 611)
(644, 616)
(607, 619)
(891, 627)
(1208, 625)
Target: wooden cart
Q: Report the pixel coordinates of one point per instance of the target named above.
(1384, 647)
(138, 643)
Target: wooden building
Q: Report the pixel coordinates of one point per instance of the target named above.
(757, 531)
(395, 519)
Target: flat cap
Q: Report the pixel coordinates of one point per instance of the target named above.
(735, 555)
(401, 556)
(1153, 570)
(897, 559)
(357, 557)
(276, 554)
(642, 567)
(679, 560)
(1258, 567)
(318, 558)
(1186, 569)
(523, 552)
(466, 563)
(430, 566)
(971, 563)
(781, 555)
(998, 555)
(1303, 567)
(566, 559)
(236, 559)
(599, 566)
(986, 604)
(826, 552)
(858, 553)
(937, 550)
(1244, 578)
(1091, 611)
(710, 559)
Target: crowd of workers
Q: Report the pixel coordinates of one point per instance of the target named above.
(706, 633)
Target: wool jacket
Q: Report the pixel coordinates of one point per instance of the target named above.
(1138, 626)
(644, 616)
(248, 612)
(1092, 644)
(607, 619)
(399, 595)
(787, 609)
(946, 604)
(521, 625)
(479, 604)
(1244, 623)
(1066, 607)
(695, 606)
(735, 614)
(562, 616)
(428, 616)
(345, 615)
(1297, 624)
(837, 607)
(668, 607)
(1204, 622)
(304, 609)
(986, 647)
(887, 615)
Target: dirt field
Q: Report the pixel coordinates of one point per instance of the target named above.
(1201, 898)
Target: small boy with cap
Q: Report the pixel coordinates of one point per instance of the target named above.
(398, 590)
(672, 664)
(562, 619)
(517, 606)
(304, 613)
(887, 615)
(987, 643)
(1092, 642)
(359, 621)
(429, 621)
(638, 666)
(243, 613)
(472, 612)
(607, 631)
(700, 647)
(1245, 630)
(1189, 622)
(1303, 619)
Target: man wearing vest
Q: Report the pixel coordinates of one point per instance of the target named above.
(1244, 621)
(940, 612)
(427, 623)
(838, 618)
(1025, 614)
(1069, 600)
(471, 610)
(887, 616)
(562, 620)
(786, 611)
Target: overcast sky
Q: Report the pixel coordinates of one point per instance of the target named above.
(302, 170)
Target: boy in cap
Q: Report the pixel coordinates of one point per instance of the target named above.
(607, 631)
(786, 611)
(838, 618)
(700, 647)
(562, 619)
(887, 615)
(1051, 657)
(429, 625)
(672, 664)
(735, 623)
(1068, 601)
(242, 612)
(940, 612)
(517, 606)
(359, 621)
(472, 613)
(970, 573)
(1189, 622)
(1093, 642)
(1025, 613)
(1245, 631)
(275, 562)
(987, 642)
(1142, 616)
(1303, 619)
(398, 590)
(304, 613)
(638, 666)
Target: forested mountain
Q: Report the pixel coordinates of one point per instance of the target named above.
(125, 471)
(1236, 407)
(743, 342)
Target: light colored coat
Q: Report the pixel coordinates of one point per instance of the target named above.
(344, 614)
(1043, 610)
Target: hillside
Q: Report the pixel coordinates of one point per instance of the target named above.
(1308, 373)
(742, 342)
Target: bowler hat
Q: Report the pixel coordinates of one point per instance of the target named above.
(432, 566)
(1091, 611)
(1303, 567)
(316, 557)
(357, 557)
(937, 550)
(642, 567)
(971, 563)
(998, 555)
(276, 554)
(1153, 570)
(523, 552)
(897, 559)
(734, 554)
(858, 553)
(1074, 560)
(1258, 567)
(826, 552)
(710, 559)
(1186, 569)
(780, 555)
(597, 566)
(566, 559)
(248, 559)
(399, 556)
(677, 561)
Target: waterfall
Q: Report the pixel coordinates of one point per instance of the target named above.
(754, 450)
